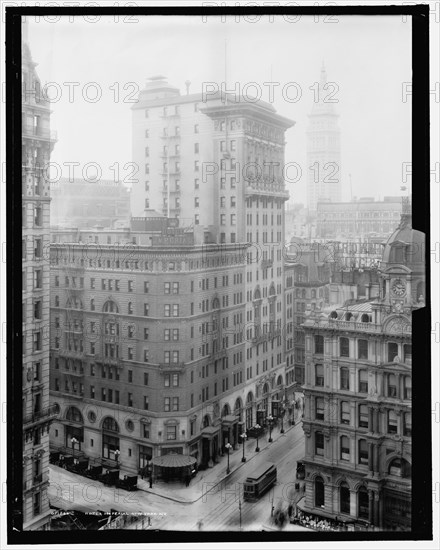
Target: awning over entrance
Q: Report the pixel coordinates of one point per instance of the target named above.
(210, 431)
(173, 460)
(229, 419)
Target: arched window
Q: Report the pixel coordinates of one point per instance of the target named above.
(408, 388)
(363, 503)
(74, 415)
(365, 318)
(344, 498)
(319, 492)
(333, 315)
(265, 388)
(92, 304)
(280, 380)
(206, 421)
(110, 424)
(226, 410)
(348, 316)
(399, 467)
(110, 307)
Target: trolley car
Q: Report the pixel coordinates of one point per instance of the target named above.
(260, 481)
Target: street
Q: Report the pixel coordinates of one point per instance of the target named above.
(217, 507)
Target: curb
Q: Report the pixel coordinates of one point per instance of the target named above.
(188, 501)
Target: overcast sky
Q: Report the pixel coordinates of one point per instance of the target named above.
(367, 57)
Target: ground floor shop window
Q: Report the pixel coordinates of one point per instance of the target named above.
(109, 445)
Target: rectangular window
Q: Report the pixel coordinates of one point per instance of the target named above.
(130, 376)
(363, 381)
(319, 375)
(319, 408)
(392, 422)
(319, 443)
(145, 378)
(175, 403)
(392, 351)
(345, 412)
(363, 416)
(363, 349)
(171, 433)
(345, 379)
(167, 404)
(146, 310)
(344, 347)
(146, 333)
(146, 287)
(145, 403)
(363, 451)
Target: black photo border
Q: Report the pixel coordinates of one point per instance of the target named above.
(421, 439)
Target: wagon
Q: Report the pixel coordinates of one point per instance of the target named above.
(129, 483)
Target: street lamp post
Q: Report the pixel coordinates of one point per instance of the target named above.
(283, 412)
(74, 441)
(228, 447)
(117, 453)
(257, 427)
(270, 420)
(244, 437)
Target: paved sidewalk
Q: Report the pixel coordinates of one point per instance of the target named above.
(207, 479)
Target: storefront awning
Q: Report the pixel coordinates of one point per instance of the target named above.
(229, 419)
(174, 460)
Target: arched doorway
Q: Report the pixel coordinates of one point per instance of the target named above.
(319, 492)
(344, 498)
(238, 408)
(363, 503)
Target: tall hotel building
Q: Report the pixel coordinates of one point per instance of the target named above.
(323, 146)
(37, 143)
(190, 351)
(357, 418)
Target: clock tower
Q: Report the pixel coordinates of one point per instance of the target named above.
(402, 270)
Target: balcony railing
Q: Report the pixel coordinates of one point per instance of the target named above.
(171, 366)
(43, 414)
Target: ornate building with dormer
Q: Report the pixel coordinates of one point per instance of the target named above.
(37, 144)
(357, 417)
(323, 146)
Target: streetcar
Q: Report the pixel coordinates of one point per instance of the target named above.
(260, 481)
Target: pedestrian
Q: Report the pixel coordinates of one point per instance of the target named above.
(289, 510)
(151, 481)
(187, 480)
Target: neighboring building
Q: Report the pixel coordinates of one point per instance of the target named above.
(37, 144)
(84, 203)
(359, 219)
(357, 418)
(311, 272)
(323, 146)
